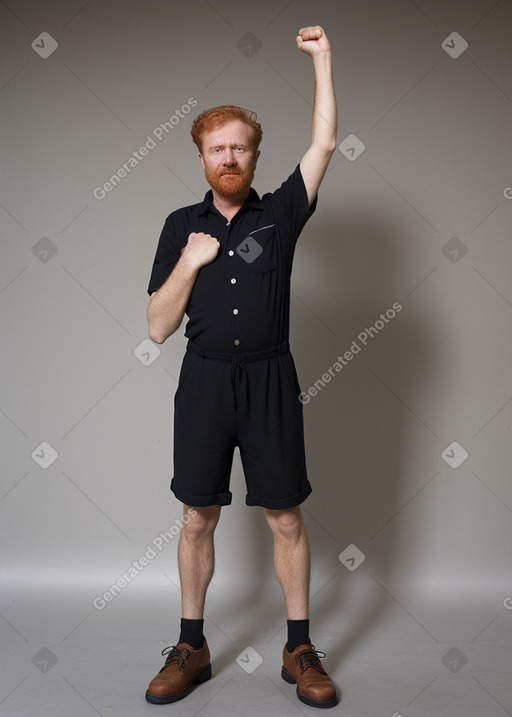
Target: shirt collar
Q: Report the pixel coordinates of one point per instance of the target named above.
(252, 202)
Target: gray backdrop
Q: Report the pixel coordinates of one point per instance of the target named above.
(408, 437)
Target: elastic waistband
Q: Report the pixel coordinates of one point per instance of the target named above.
(271, 352)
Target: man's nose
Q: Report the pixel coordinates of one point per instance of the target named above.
(229, 157)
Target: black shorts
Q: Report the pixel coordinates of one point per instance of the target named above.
(245, 400)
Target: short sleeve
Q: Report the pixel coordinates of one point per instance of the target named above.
(292, 200)
(166, 257)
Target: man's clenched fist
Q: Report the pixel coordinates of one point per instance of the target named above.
(313, 41)
(201, 249)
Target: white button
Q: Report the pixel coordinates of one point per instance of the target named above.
(231, 252)
(233, 281)
(236, 342)
(235, 311)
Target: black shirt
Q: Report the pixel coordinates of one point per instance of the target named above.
(240, 302)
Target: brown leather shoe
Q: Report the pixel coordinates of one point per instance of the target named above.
(314, 686)
(183, 668)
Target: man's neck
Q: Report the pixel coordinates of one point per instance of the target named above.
(229, 206)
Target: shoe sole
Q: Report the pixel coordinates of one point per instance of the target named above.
(287, 677)
(202, 676)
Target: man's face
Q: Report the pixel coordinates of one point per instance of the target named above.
(228, 159)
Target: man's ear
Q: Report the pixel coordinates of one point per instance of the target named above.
(201, 158)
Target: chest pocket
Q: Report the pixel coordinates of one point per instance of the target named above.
(258, 251)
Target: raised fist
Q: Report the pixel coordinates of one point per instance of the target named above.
(313, 41)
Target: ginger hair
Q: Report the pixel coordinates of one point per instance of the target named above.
(217, 116)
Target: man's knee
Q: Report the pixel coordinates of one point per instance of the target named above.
(285, 523)
(201, 522)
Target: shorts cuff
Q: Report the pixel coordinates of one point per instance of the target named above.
(282, 503)
(202, 501)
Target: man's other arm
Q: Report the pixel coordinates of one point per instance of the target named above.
(167, 305)
(313, 41)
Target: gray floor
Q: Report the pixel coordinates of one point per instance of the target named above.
(390, 656)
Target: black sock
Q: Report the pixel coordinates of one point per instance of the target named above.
(191, 631)
(298, 634)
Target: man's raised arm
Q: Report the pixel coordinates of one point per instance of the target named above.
(313, 41)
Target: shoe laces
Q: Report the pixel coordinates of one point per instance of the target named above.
(175, 656)
(310, 658)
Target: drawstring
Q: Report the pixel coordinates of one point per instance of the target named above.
(238, 362)
(237, 371)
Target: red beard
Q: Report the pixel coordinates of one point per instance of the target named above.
(229, 182)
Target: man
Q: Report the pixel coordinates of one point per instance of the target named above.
(226, 262)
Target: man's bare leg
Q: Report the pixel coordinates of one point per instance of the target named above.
(196, 558)
(188, 662)
(291, 559)
(301, 661)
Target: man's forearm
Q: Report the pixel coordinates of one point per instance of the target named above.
(167, 306)
(325, 113)
(313, 41)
